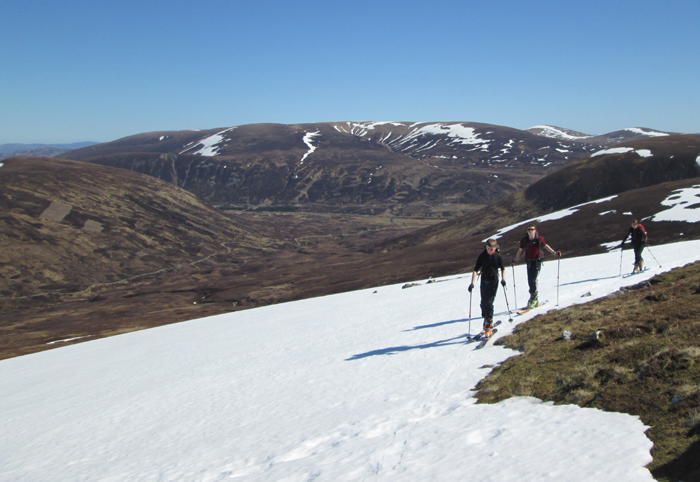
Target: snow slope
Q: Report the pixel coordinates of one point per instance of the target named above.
(370, 385)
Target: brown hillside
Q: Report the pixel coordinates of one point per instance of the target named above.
(67, 226)
(673, 158)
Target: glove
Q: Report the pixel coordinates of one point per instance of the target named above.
(471, 287)
(558, 254)
(503, 283)
(513, 262)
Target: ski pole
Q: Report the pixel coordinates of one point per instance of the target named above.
(620, 259)
(558, 265)
(652, 255)
(510, 317)
(515, 292)
(470, 312)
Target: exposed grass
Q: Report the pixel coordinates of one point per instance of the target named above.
(644, 360)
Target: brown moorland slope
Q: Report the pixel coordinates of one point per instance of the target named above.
(648, 162)
(68, 225)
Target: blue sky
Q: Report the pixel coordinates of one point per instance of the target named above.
(98, 71)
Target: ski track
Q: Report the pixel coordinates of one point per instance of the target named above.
(370, 385)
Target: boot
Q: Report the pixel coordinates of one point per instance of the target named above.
(636, 269)
(641, 265)
(488, 327)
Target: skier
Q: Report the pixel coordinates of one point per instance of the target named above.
(639, 240)
(488, 263)
(533, 245)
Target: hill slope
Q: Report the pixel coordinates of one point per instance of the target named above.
(101, 225)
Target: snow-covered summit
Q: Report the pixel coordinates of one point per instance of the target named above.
(647, 132)
(557, 133)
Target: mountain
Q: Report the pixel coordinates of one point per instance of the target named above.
(419, 169)
(69, 227)
(640, 171)
(39, 152)
(10, 148)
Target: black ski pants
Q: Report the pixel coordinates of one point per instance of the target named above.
(488, 295)
(638, 248)
(533, 270)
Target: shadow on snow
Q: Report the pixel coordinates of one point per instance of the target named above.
(589, 280)
(398, 349)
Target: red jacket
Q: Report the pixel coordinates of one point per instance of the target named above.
(533, 247)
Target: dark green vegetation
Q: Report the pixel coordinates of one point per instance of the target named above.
(636, 351)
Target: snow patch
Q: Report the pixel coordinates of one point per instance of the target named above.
(458, 132)
(308, 137)
(614, 150)
(646, 132)
(684, 206)
(550, 217)
(611, 245)
(623, 150)
(210, 145)
(66, 340)
(553, 132)
(361, 129)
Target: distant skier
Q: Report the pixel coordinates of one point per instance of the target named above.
(639, 240)
(488, 263)
(533, 244)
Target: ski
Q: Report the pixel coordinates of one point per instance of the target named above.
(480, 335)
(527, 309)
(486, 339)
(638, 272)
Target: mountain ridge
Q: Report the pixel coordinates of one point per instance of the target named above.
(433, 169)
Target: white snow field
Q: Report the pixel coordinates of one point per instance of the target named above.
(370, 385)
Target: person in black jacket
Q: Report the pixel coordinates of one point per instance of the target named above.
(488, 263)
(639, 240)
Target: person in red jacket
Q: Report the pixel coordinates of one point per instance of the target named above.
(533, 245)
(639, 240)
